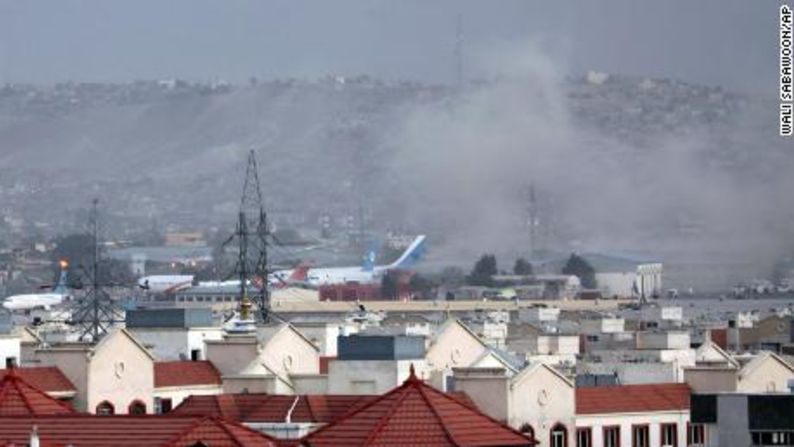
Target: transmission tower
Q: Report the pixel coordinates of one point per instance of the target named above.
(459, 50)
(532, 219)
(252, 233)
(95, 312)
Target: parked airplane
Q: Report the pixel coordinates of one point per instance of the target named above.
(45, 301)
(165, 283)
(367, 273)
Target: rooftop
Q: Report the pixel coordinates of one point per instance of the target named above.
(133, 431)
(416, 414)
(49, 379)
(632, 398)
(185, 373)
(19, 398)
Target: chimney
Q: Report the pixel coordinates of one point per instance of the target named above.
(34, 437)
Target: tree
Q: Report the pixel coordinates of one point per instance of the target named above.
(577, 266)
(389, 286)
(484, 270)
(522, 267)
(421, 285)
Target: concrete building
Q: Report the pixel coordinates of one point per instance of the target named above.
(267, 361)
(616, 276)
(10, 349)
(632, 416)
(174, 334)
(740, 420)
(113, 376)
(538, 400)
(454, 345)
(374, 364)
(177, 380)
(766, 372)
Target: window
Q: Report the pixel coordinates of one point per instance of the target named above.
(696, 435)
(11, 362)
(527, 430)
(584, 437)
(612, 436)
(162, 406)
(772, 438)
(559, 436)
(136, 408)
(640, 436)
(195, 354)
(105, 408)
(669, 435)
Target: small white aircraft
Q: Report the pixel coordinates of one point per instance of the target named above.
(45, 301)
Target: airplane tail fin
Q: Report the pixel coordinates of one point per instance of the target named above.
(61, 286)
(411, 255)
(299, 273)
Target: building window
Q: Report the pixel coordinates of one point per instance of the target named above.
(669, 435)
(527, 430)
(584, 437)
(640, 436)
(612, 436)
(772, 438)
(696, 436)
(195, 354)
(162, 406)
(559, 436)
(105, 408)
(11, 362)
(136, 408)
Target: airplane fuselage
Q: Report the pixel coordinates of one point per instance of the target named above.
(33, 301)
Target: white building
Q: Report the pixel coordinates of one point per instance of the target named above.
(632, 416)
(174, 334)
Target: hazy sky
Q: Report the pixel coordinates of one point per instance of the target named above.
(725, 42)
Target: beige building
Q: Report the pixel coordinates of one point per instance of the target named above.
(115, 375)
(453, 346)
(766, 372)
(536, 400)
(264, 361)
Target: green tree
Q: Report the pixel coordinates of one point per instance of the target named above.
(522, 267)
(389, 286)
(484, 270)
(579, 267)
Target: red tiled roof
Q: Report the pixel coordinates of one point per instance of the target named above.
(271, 407)
(632, 398)
(184, 373)
(416, 414)
(131, 431)
(19, 398)
(49, 379)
